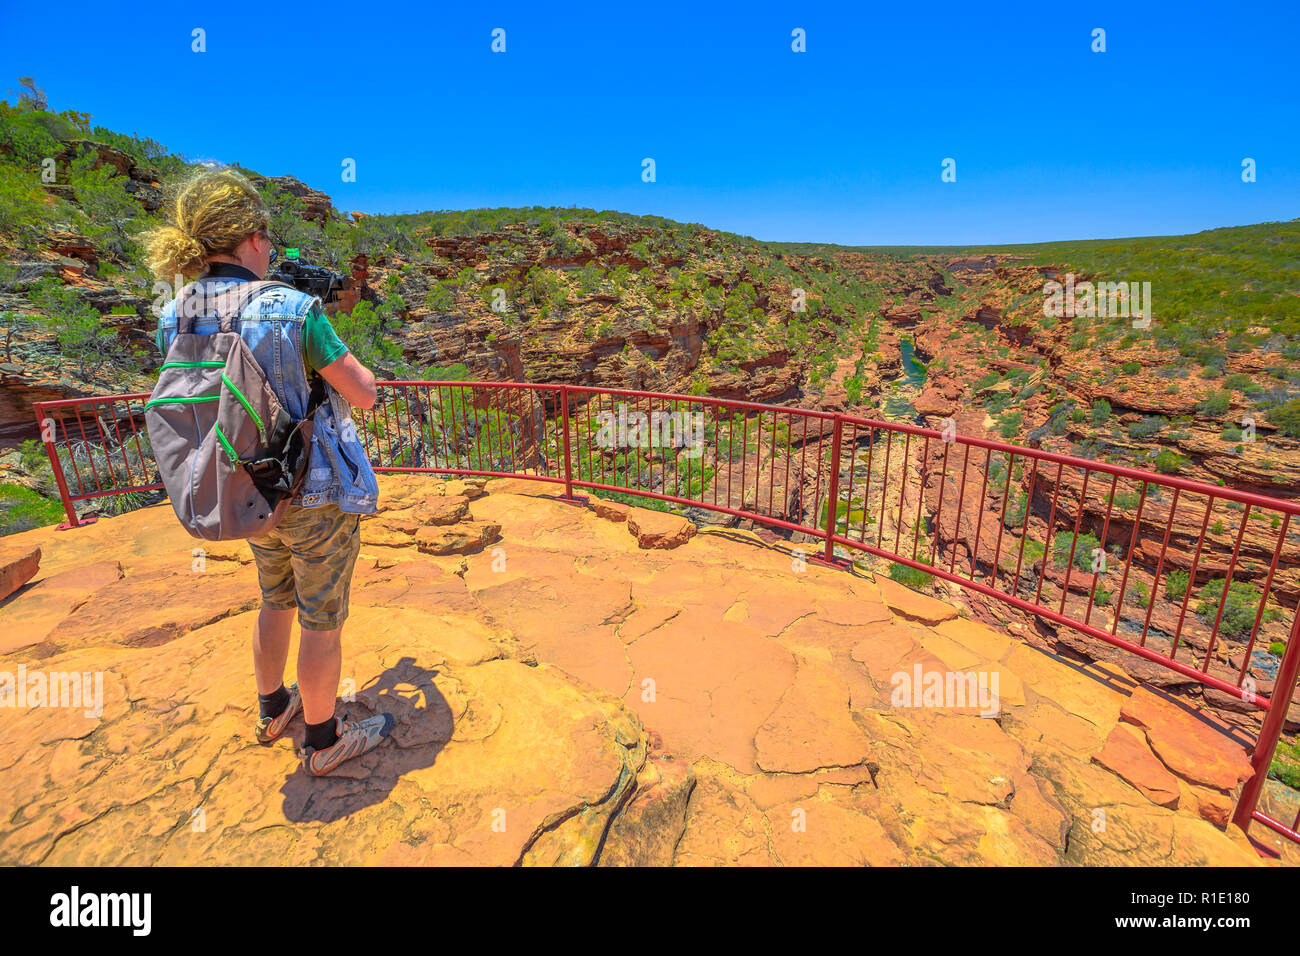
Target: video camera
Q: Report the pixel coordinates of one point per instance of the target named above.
(319, 281)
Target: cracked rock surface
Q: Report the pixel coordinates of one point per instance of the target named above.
(565, 695)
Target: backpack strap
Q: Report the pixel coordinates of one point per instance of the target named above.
(318, 394)
(229, 305)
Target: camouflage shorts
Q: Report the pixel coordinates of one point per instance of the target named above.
(306, 562)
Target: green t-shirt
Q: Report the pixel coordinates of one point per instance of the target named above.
(321, 344)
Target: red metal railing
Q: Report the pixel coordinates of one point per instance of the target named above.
(98, 447)
(1045, 533)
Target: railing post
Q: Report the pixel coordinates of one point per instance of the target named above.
(833, 493)
(568, 462)
(1271, 729)
(47, 439)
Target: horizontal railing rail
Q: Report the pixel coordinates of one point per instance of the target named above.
(1200, 580)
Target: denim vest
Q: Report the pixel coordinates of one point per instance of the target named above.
(271, 325)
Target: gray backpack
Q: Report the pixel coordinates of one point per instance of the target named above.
(230, 456)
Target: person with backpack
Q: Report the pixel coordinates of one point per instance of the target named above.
(251, 429)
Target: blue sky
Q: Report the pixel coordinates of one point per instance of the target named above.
(843, 143)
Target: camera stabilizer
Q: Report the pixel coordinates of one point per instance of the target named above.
(319, 281)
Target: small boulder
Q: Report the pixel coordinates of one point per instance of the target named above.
(17, 567)
(463, 538)
(658, 529)
(441, 510)
(932, 402)
(470, 488)
(611, 510)
(1212, 805)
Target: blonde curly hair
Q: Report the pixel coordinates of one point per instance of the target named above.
(210, 214)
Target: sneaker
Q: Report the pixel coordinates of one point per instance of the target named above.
(269, 728)
(356, 737)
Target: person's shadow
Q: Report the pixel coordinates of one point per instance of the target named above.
(424, 724)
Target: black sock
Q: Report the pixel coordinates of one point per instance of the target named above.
(274, 703)
(320, 736)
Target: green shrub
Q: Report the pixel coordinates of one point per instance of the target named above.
(1010, 424)
(1175, 585)
(1148, 426)
(1016, 506)
(996, 402)
(366, 331)
(77, 328)
(1127, 500)
(1169, 462)
(30, 136)
(25, 212)
(22, 509)
(909, 576)
(853, 389)
(1082, 551)
(1287, 417)
(457, 372)
(1215, 404)
(1141, 593)
(1285, 765)
(1239, 609)
(1100, 412)
(31, 455)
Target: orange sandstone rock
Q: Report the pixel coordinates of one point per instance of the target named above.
(610, 510)
(1193, 745)
(538, 691)
(463, 538)
(658, 529)
(647, 830)
(17, 568)
(442, 510)
(910, 604)
(1127, 755)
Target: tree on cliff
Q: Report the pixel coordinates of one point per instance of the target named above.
(365, 331)
(109, 213)
(11, 322)
(76, 326)
(29, 95)
(289, 227)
